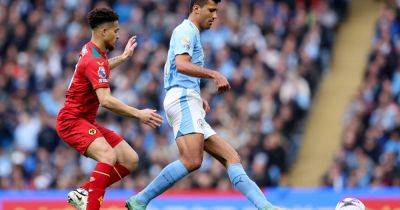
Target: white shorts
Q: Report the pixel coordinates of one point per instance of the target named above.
(185, 112)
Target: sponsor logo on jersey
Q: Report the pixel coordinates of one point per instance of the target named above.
(92, 131)
(101, 200)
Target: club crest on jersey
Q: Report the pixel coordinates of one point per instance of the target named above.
(186, 42)
(92, 131)
(102, 74)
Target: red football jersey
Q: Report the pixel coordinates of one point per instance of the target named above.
(91, 72)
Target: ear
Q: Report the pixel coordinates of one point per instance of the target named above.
(103, 31)
(196, 9)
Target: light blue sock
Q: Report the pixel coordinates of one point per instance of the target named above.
(247, 187)
(172, 173)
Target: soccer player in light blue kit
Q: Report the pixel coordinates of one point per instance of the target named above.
(186, 112)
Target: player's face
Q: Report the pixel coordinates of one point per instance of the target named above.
(208, 14)
(111, 35)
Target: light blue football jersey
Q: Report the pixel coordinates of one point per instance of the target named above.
(185, 39)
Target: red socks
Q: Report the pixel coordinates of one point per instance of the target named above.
(98, 184)
(117, 173)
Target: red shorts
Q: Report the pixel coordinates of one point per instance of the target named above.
(80, 133)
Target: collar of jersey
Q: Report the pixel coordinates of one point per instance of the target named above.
(193, 25)
(102, 53)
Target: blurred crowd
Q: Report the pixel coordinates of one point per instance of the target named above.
(370, 152)
(273, 53)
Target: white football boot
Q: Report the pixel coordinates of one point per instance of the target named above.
(78, 198)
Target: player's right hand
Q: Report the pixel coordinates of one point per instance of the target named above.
(150, 117)
(221, 82)
(130, 47)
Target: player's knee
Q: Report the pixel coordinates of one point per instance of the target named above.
(107, 155)
(197, 163)
(131, 162)
(192, 164)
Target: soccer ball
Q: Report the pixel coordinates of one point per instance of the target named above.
(350, 204)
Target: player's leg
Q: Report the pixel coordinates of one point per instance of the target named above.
(127, 160)
(88, 140)
(191, 147)
(102, 152)
(126, 157)
(228, 157)
(183, 109)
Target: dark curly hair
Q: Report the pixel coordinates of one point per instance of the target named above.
(101, 15)
(201, 3)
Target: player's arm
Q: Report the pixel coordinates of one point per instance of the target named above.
(128, 52)
(184, 65)
(98, 76)
(146, 116)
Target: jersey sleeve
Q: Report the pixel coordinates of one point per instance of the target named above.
(184, 40)
(98, 73)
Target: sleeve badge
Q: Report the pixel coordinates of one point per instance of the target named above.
(185, 41)
(102, 72)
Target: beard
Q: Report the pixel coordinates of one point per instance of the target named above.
(110, 47)
(206, 25)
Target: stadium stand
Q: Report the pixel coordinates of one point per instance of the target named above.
(370, 150)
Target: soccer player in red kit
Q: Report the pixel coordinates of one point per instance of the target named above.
(89, 88)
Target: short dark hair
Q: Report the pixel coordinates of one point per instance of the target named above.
(101, 15)
(201, 3)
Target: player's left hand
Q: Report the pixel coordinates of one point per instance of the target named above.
(206, 106)
(130, 47)
(150, 117)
